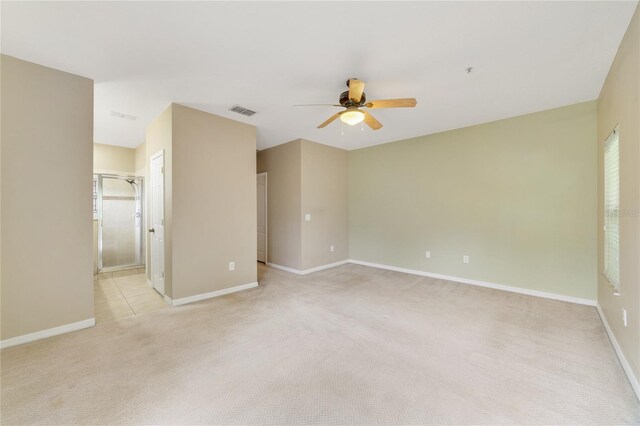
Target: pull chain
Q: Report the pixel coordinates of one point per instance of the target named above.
(342, 127)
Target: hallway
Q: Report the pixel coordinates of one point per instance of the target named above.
(124, 296)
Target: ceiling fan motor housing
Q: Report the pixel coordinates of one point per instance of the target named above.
(353, 115)
(346, 102)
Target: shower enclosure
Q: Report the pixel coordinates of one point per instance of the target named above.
(120, 226)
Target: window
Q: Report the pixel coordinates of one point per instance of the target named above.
(612, 209)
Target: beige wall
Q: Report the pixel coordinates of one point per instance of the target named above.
(140, 160)
(113, 159)
(214, 202)
(159, 138)
(282, 164)
(618, 104)
(46, 208)
(325, 195)
(210, 200)
(306, 177)
(518, 196)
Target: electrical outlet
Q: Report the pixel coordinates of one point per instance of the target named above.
(427, 255)
(232, 266)
(624, 316)
(465, 259)
(307, 217)
(331, 249)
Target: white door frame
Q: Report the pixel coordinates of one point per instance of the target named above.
(266, 215)
(99, 178)
(158, 286)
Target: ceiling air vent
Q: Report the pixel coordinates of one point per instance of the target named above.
(242, 110)
(123, 115)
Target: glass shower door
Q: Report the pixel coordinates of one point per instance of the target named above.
(120, 227)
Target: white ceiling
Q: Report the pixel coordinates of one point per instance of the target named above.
(526, 57)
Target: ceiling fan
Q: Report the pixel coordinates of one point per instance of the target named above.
(355, 98)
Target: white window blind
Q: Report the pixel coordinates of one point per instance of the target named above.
(612, 209)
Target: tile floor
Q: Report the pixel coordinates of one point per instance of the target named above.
(124, 296)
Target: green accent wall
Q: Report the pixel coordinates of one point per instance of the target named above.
(518, 196)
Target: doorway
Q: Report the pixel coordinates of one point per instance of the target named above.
(156, 221)
(120, 287)
(119, 211)
(261, 181)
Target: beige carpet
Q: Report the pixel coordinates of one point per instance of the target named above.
(351, 345)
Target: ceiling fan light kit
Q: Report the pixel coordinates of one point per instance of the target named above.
(352, 116)
(355, 98)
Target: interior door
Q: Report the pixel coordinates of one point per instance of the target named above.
(261, 180)
(157, 221)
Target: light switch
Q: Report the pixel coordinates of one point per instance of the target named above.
(307, 217)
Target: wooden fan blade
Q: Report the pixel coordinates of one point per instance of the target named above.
(392, 103)
(356, 87)
(371, 122)
(333, 117)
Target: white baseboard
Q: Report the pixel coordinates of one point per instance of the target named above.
(284, 268)
(623, 360)
(50, 332)
(528, 292)
(536, 293)
(327, 266)
(203, 296)
(310, 270)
